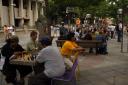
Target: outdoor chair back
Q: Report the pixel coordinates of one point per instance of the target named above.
(69, 75)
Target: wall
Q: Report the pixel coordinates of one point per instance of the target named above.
(5, 15)
(31, 19)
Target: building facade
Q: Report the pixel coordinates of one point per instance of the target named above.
(20, 12)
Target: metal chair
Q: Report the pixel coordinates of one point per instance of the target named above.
(1, 75)
(68, 75)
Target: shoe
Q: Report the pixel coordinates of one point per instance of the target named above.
(105, 53)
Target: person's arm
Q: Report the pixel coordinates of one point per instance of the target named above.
(77, 48)
(40, 57)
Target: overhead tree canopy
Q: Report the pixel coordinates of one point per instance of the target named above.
(99, 8)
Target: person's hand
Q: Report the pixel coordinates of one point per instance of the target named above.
(35, 49)
(17, 53)
(81, 49)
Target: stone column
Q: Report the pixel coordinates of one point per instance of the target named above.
(29, 11)
(11, 12)
(21, 12)
(42, 7)
(1, 24)
(35, 11)
(42, 10)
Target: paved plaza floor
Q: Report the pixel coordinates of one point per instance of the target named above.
(110, 69)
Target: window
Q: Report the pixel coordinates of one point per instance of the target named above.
(16, 2)
(5, 2)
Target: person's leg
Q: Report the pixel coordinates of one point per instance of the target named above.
(11, 79)
(90, 50)
(10, 76)
(24, 71)
(101, 50)
(38, 68)
(119, 36)
(68, 63)
(112, 32)
(105, 49)
(97, 50)
(40, 79)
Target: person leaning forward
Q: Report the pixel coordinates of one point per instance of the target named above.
(9, 70)
(52, 64)
(68, 48)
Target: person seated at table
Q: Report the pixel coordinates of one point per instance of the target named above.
(103, 48)
(68, 48)
(52, 63)
(9, 70)
(88, 36)
(33, 45)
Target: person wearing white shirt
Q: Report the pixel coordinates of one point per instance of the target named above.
(112, 29)
(52, 63)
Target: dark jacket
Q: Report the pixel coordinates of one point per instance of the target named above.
(88, 36)
(9, 70)
(7, 52)
(63, 32)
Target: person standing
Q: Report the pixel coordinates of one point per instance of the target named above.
(63, 32)
(119, 31)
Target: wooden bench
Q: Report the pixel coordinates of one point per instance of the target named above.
(82, 43)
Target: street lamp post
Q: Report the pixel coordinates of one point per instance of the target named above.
(122, 25)
(121, 12)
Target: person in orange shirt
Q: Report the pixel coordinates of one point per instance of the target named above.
(68, 48)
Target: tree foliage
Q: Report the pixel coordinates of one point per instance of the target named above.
(101, 8)
(60, 5)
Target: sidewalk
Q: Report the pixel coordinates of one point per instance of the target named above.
(111, 69)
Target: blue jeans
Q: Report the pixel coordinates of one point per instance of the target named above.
(119, 36)
(102, 49)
